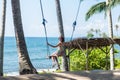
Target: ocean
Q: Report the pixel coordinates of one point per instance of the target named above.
(37, 52)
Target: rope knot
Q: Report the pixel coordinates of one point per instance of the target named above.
(44, 22)
(74, 24)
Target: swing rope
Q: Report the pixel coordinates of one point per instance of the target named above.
(44, 24)
(75, 22)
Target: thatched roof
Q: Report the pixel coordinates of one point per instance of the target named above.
(91, 43)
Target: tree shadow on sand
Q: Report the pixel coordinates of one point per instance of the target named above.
(73, 75)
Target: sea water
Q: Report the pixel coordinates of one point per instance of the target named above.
(37, 50)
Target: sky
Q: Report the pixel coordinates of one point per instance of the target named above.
(32, 18)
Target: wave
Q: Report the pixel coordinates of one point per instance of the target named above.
(11, 74)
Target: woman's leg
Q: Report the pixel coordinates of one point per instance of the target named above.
(56, 59)
(53, 61)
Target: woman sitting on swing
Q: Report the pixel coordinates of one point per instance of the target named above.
(57, 53)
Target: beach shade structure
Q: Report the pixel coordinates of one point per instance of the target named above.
(86, 46)
(81, 43)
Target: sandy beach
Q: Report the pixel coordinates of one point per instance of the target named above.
(72, 75)
(39, 70)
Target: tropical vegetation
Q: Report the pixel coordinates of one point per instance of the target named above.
(79, 60)
(97, 60)
(106, 7)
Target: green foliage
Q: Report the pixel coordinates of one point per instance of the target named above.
(96, 9)
(101, 7)
(97, 60)
(90, 35)
(94, 32)
(77, 60)
(114, 3)
(104, 35)
(117, 64)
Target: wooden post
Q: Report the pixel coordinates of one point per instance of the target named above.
(86, 55)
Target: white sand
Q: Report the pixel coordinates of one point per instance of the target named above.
(38, 70)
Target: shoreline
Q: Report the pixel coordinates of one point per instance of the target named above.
(38, 70)
(53, 70)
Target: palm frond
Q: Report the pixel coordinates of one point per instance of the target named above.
(82, 0)
(95, 9)
(114, 3)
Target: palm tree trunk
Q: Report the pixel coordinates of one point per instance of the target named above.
(25, 64)
(109, 16)
(2, 32)
(61, 31)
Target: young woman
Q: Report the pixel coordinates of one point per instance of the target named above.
(58, 52)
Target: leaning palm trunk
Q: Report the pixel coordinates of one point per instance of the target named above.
(2, 31)
(25, 64)
(109, 16)
(60, 24)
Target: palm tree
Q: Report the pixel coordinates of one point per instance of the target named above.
(105, 6)
(101, 7)
(61, 31)
(96, 9)
(2, 32)
(110, 25)
(114, 3)
(119, 18)
(116, 27)
(25, 64)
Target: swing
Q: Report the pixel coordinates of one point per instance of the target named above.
(75, 22)
(44, 24)
(73, 25)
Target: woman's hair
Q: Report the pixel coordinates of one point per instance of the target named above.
(61, 39)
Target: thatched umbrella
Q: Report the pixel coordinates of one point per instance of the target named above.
(80, 43)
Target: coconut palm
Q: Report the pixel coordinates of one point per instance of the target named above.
(104, 6)
(110, 25)
(114, 3)
(116, 27)
(61, 31)
(2, 32)
(25, 64)
(96, 9)
(119, 18)
(100, 7)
